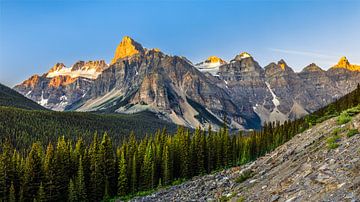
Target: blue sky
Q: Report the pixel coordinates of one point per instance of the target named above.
(34, 35)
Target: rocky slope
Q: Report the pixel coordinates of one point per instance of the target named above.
(141, 79)
(303, 169)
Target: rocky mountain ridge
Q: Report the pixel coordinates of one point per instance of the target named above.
(140, 79)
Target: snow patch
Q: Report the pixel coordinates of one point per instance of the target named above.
(212, 68)
(43, 101)
(274, 100)
(87, 73)
(28, 93)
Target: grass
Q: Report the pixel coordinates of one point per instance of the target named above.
(343, 118)
(241, 199)
(346, 115)
(244, 176)
(352, 132)
(332, 142)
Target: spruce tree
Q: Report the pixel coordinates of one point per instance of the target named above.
(122, 179)
(134, 175)
(72, 192)
(41, 194)
(50, 174)
(80, 182)
(33, 173)
(12, 193)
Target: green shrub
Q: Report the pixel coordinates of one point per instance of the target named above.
(332, 142)
(352, 132)
(343, 118)
(244, 176)
(353, 111)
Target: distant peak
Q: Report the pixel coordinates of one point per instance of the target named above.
(215, 59)
(245, 55)
(344, 63)
(312, 68)
(57, 67)
(126, 48)
(282, 64)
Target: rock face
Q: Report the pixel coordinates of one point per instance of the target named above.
(303, 169)
(192, 95)
(127, 48)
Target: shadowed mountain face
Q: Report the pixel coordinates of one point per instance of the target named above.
(141, 79)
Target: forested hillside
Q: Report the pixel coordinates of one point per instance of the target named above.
(72, 170)
(23, 127)
(9, 97)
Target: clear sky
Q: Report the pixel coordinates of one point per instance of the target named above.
(34, 35)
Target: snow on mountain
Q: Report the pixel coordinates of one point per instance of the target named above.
(90, 69)
(211, 65)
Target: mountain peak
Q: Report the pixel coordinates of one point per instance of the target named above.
(58, 66)
(344, 63)
(312, 68)
(126, 48)
(243, 55)
(282, 64)
(215, 59)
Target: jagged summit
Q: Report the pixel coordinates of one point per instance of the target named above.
(243, 55)
(90, 69)
(215, 59)
(344, 63)
(126, 48)
(312, 68)
(282, 64)
(57, 67)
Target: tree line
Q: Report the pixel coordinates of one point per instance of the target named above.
(75, 170)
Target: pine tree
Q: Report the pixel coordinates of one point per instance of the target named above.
(50, 172)
(80, 182)
(108, 163)
(62, 165)
(33, 173)
(41, 194)
(12, 193)
(166, 165)
(134, 175)
(122, 179)
(97, 180)
(72, 192)
(6, 170)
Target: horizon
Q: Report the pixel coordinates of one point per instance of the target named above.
(62, 31)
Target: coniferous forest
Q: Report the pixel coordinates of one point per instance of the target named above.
(93, 167)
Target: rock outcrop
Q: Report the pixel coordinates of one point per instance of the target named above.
(127, 48)
(303, 169)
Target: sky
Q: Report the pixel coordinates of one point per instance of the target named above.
(34, 35)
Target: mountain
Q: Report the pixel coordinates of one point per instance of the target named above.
(241, 91)
(11, 98)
